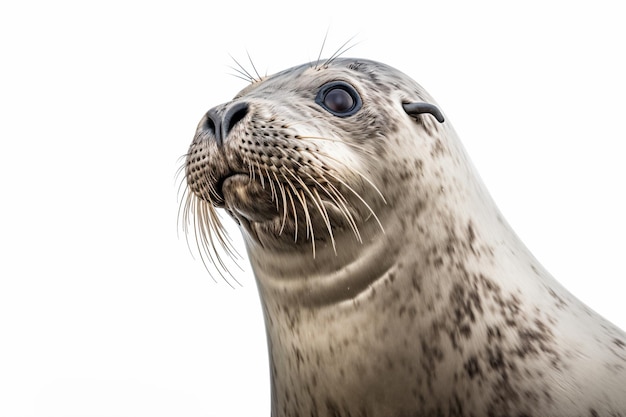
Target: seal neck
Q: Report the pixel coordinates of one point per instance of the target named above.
(300, 279)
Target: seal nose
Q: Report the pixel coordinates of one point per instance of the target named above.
(220, 124)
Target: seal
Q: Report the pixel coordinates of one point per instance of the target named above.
(390, 283)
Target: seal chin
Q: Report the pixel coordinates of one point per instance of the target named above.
(247, 199)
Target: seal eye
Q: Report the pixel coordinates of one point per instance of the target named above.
(339, 98)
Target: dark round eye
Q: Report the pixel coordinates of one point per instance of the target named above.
(339, 98)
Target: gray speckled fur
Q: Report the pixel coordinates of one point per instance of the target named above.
(446, 313)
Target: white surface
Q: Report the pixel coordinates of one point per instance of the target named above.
(103, 311)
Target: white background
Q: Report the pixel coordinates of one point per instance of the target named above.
(103, 310)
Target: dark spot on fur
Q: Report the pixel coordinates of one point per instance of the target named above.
(495, 358)
(536, 340)
(560, 303)
(416, 283)
(333, 409)
(466, 304)
(472, 367)
(471, 236)
(437, 149)
(419, 167)
(493, 334)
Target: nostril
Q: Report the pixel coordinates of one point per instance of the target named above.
(233, 116)
(210, 125)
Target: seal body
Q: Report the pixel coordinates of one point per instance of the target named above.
(390, 283)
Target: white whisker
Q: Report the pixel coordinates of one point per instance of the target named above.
(282, 192)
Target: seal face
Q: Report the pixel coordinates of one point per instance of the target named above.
(390, 283)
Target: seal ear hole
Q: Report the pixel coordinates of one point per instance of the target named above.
(417, 108)
(339, 98)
